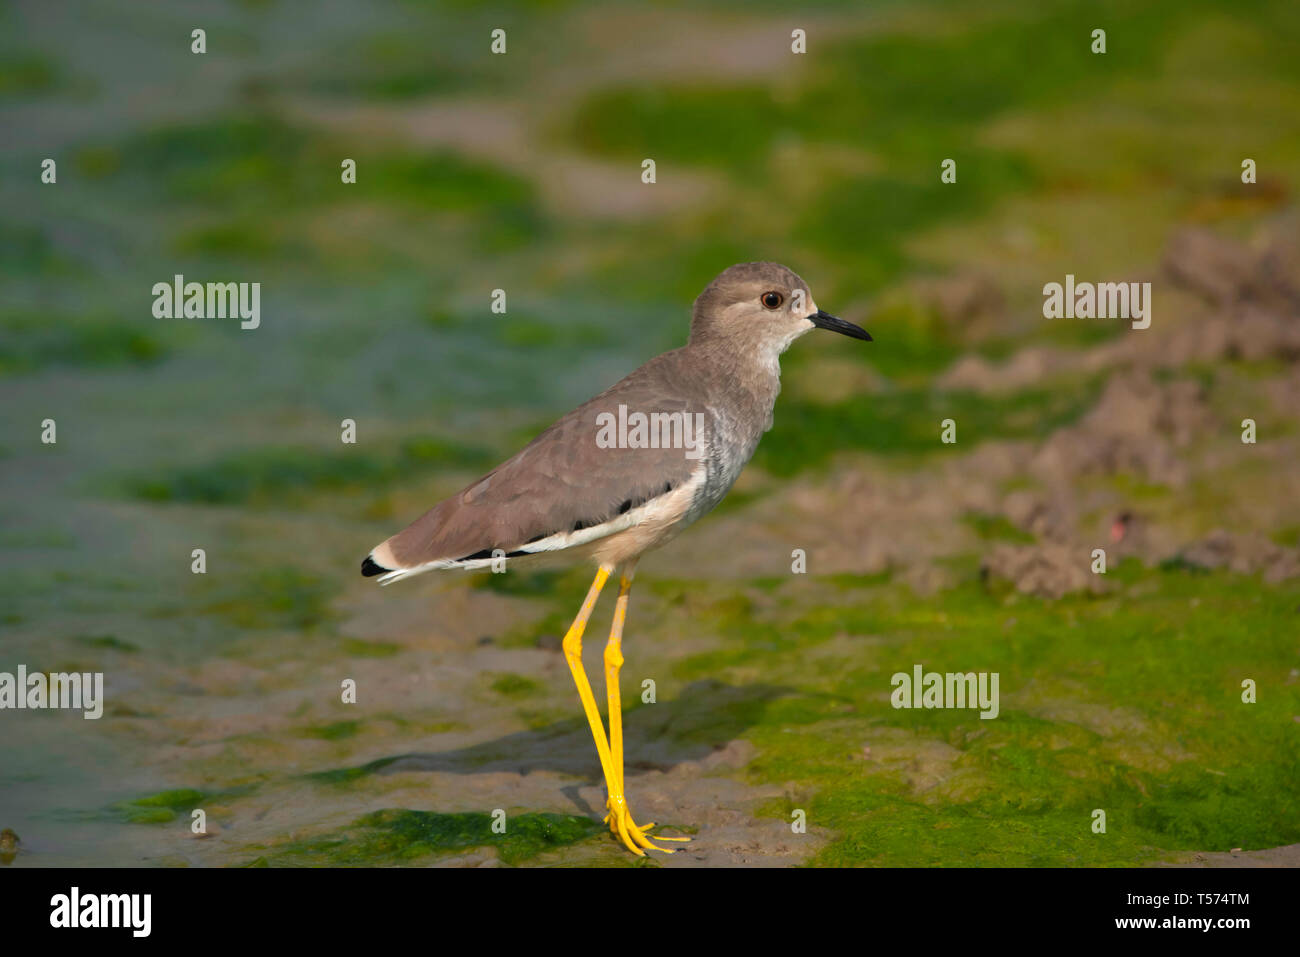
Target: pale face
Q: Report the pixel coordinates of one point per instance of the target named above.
(776, 311)
(770, 309)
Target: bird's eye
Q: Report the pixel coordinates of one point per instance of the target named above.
(770, 300)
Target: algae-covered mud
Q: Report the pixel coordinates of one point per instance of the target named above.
(180, 515)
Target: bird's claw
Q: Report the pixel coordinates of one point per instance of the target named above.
(632, 834)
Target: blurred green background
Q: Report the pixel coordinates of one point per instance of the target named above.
(522, 172)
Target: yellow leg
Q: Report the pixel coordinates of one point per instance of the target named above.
(619, 817)
(572, 645)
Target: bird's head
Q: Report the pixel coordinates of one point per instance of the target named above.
(764, 305)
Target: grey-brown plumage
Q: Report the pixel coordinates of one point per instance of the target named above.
(567, 492)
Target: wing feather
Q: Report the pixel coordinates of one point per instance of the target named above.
(564, 480)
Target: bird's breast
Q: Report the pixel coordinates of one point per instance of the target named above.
(732, 442)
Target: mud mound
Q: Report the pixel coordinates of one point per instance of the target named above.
(873, 518)
(1227, 274)
(1226, 300)
(1285, 391)
(967, 305)
(1137, 426)
(1251, 291)
(1220, 270)
(1024, 369)
(1049, 570)
(1246, 554)
(1053, 519)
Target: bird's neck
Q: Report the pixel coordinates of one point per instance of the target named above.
(746, 377)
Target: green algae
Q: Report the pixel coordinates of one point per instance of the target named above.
(370, 649)
(995, 528)
(527, 583)
(259, 158)
(108, 643)
(515, 686)
(342, 776)
(279, 597)
(278, 474)
(1121, 703)
(161, 807)
(28, 75)
(31, 341)
(909, 422)
(336, 731)
(399, 836)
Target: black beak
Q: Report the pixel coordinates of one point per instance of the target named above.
(824, 320)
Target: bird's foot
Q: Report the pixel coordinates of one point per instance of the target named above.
(630, 833)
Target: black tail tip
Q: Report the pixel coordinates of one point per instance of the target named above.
(370, 568)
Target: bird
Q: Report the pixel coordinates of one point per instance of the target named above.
(623, 474)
